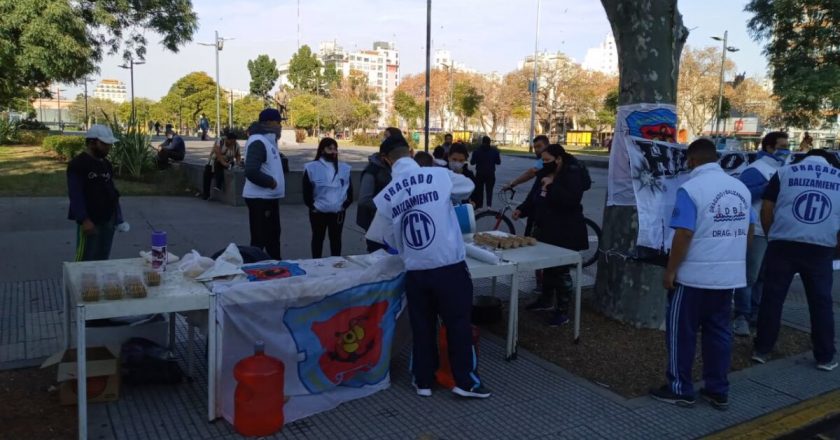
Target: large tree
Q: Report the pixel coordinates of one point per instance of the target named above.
(697, 92)
(802, 41)
(98, 109)
(439, 93)
(191, 96)
(305, 70)
(501, 97)
(649, 37)
(264, 75)
(407, 108)
(48, 41)
(466, 101)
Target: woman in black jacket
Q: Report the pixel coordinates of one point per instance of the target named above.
(555, 205)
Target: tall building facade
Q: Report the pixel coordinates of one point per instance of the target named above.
(112, 90)
(603, 58)
(381, 65)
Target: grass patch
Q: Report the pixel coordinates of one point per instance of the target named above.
(28, 171)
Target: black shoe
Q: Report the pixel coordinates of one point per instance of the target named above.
(664, 394)
(538, 305)
(476, 392)
(718, 401)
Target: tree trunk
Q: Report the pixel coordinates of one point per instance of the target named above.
(649, 38)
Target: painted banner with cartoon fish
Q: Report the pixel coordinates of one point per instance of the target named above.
(332, 331)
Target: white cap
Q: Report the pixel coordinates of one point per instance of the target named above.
(101, 132)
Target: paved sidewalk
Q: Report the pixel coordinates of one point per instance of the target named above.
(533, 398)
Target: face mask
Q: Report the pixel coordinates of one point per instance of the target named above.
(550, 167)
(330, 157)
(99, 152)
(456, 166)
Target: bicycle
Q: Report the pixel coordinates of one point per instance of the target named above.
(491, 220)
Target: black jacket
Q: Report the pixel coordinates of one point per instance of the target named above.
(557, 212)
(485, 159)
(374, 178)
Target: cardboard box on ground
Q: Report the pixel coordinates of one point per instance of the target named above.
(103, 374)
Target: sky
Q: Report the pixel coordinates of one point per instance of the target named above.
(486, 35)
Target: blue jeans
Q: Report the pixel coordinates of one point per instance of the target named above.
(691, 309)
(814, 265)
(747, 299)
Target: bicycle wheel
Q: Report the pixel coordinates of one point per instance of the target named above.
(590, 256)
(493, 221)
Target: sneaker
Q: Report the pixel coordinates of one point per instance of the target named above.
(538, 305)
(422, 392)
(558, 319)
(740, 326)
(718, 401)
(476, 392)
(664, 394)
(760, 358)
(216, 188)
(827, 366)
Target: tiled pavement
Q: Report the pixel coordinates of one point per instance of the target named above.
(533, 398)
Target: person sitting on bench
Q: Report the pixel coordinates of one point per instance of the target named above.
(173, 148)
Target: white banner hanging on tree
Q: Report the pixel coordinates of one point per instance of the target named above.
(657, 171)
(644, 121)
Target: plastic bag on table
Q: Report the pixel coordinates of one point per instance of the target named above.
(193, 264)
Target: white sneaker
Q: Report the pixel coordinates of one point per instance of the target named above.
(741, 327)
(760, 358)
(422, 392)
(827, 366)
(476, 392)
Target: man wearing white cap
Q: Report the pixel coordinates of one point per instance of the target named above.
(94, 200)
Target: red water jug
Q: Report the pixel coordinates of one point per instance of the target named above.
(259, 395)
(444, 373)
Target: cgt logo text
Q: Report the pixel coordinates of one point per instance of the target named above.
(812, 207)
(418, 230)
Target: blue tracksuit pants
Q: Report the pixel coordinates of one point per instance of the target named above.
(445, 292)
(691, 309)
(813, 263)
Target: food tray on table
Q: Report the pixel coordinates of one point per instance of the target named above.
(502, 240)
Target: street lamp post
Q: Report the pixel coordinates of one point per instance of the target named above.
(720, 85)
(130, 67)
(87, 117)
(533, 85)
(428, 72)
(58, 97)
(218, 44)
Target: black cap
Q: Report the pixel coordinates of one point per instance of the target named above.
(392, 143)
(270, 115)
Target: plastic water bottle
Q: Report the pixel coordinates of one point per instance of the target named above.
(259, 395)
(159, 254)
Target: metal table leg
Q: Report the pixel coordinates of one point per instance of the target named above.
(173, 321)
(514, 295)
(190, 345)
(81, 370)
(211, 358)
(579, 275)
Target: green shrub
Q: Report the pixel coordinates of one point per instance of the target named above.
(66, 147)
(366, 140)
(32, 137)
(132, 155)
(32, 124)
(8, 131)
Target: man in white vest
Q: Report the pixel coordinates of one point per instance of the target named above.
(801, 214)
(774, 151)
(712, 226)
(415, 216)
(265, 184)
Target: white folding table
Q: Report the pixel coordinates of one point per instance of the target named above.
(175, 294)
(542, 256)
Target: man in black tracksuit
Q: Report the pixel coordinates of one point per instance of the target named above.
(485, 159)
